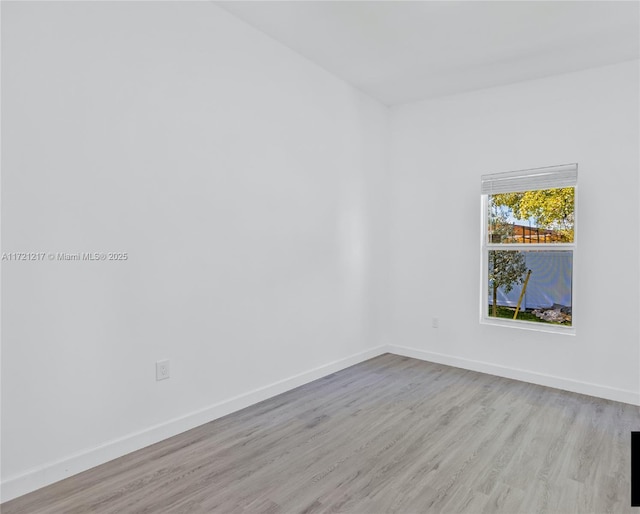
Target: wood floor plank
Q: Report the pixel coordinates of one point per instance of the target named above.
(389, 435)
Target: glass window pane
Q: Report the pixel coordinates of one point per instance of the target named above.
(544, 276)
(541, 216)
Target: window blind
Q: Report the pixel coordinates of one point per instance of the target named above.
(565, 175)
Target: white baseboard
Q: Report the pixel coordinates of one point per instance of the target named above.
(600, 391)
(52, 472)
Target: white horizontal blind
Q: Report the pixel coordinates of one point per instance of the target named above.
(551, 177)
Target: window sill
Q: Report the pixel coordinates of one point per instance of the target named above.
(529, 325)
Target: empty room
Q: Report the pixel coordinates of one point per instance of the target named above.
(291, 257)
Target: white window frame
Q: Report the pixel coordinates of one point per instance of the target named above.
(526, 180)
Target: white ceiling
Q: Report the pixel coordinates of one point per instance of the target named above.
(401, 51)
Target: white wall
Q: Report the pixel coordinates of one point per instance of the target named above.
(229, 168)
(266, 248)
(440, 149)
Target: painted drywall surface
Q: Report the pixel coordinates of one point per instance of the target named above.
(439, 151)
(230, 171)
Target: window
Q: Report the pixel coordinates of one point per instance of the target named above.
(528, 248)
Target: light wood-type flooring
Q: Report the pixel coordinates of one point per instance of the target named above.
(391, 434)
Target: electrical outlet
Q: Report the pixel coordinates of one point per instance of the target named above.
(162, 370)
(434, 322)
